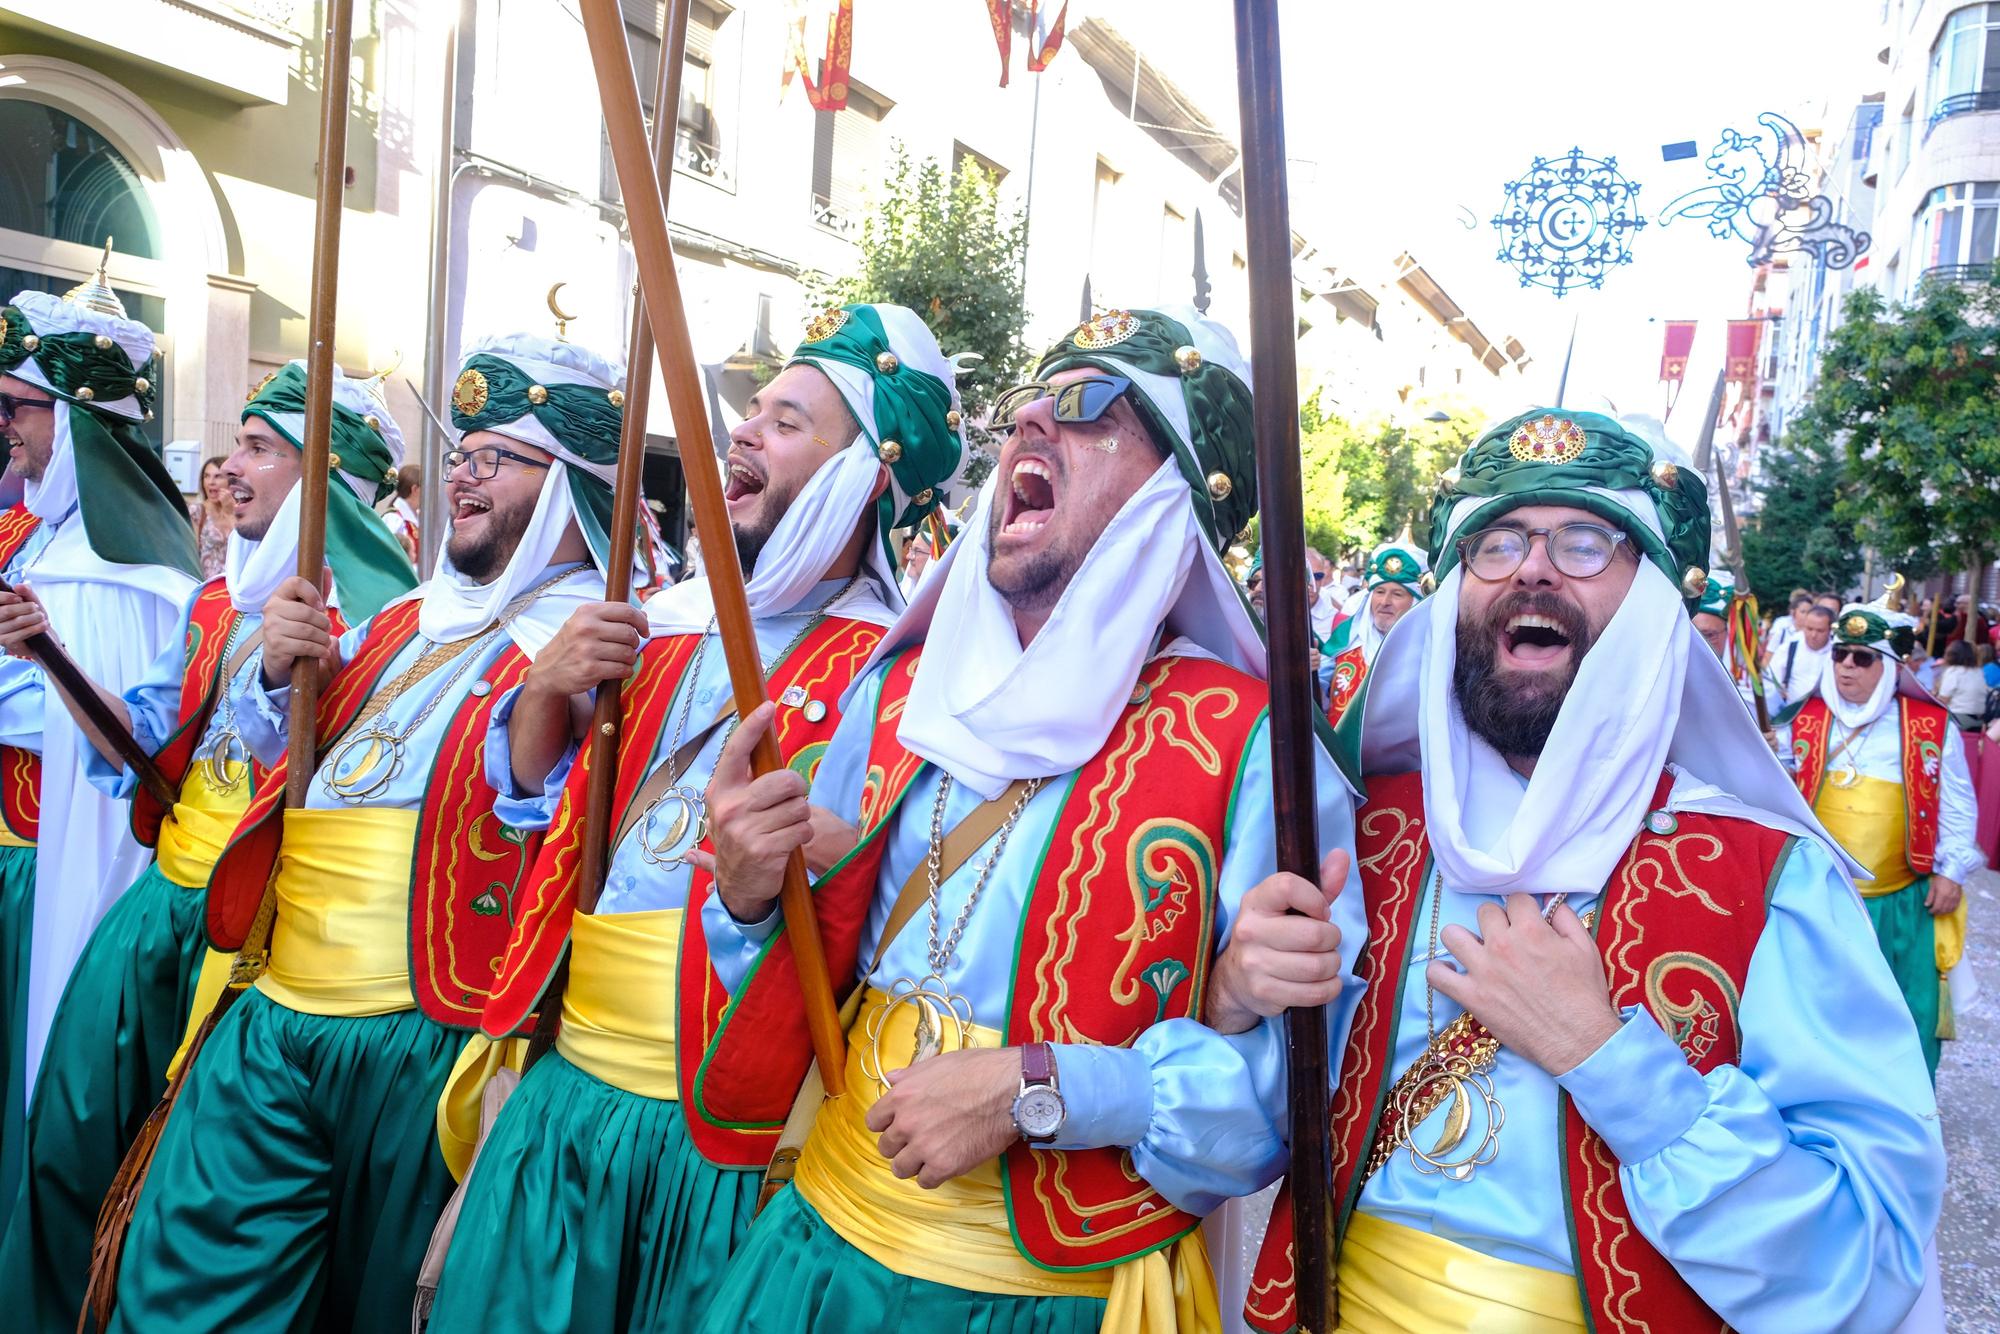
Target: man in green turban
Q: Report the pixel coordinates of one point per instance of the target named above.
(122, 1017)
(1622, 1000)
(609, 1196)
(314, 1097)
(1399, 575)
(1034, 1124)
(103, 540)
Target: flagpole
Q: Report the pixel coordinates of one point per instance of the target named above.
(652, 248)
(1275, 417)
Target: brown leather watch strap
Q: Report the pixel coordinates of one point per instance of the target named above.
(1038, 1064)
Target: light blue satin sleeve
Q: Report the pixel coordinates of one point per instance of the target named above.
(1795, 1189)
(517, 807)
(263, 717)
(22, 701)
(733, 946)
(154, 703)
(1204, 1113)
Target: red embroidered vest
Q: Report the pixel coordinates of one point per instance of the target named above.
(1117, 936)
(1676, 926)
(210, 621)
(821, 666)
(468, 865)
(1926, 727)
(20, 770)
(1350, 669)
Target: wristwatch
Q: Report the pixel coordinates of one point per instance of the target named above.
(1038, 1107)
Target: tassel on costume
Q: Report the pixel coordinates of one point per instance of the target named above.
(1947, 1023)
(121, 1201)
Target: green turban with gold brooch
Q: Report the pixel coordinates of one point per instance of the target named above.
(365, 448)
(101, 368)
(1587, 461)
(1193, 394)
(560, 397)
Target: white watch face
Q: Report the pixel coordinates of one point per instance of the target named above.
(1038, 1112)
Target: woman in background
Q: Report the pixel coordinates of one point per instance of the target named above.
(213, 517)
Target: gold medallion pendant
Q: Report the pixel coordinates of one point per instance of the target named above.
(664, 829)
(363, 766)
(1450, 1080)
(225, 761)
(944, 1023)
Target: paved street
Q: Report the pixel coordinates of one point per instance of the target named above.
(1969, 1098)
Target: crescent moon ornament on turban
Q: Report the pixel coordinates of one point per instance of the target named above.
(562, 317)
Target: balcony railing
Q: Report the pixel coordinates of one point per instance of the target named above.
(702, 159)
(1958, 273)
(1960, 104)
(835, 216)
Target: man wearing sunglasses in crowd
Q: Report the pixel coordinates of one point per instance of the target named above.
(102, 540)
(1060, 778)
(1627, 1060)
(629, 1188)
(316, 1094)
(1877, 756)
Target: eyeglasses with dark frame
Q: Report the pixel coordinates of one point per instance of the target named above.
(10, 407)
(485, 461)
(1854, 653)
(1577, 550)
(1084, 399)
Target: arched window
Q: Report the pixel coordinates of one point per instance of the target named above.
(62, 180)
(1965, 63)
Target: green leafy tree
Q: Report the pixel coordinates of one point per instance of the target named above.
(1909, 400)
(941, 244)
(1796, 539)
(1363, 481)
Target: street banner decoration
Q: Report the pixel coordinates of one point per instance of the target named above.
(1047, 41)
(1744, 336)
(1760, 193)
(1674, 350)
(1568, 222)
(829, 93)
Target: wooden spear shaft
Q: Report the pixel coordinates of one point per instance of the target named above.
(646, 214)
(301, 752)
(609, 718)
(1275, 415)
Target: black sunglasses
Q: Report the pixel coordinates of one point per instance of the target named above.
(10, 406)
(1860, 657)
(1084, 399)
(485, 461)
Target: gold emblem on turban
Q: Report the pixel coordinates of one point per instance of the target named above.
(1546, 439)
(469, 395)
(1855, 627)
(1107, 330)
(825, 324)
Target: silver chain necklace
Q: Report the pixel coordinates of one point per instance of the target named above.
(683, 809)
(936, 1003)
(222, 754)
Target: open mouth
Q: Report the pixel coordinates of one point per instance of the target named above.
(1534, 641)
(469, 506)
(740, 482)
(239, 493)
(1031, 498)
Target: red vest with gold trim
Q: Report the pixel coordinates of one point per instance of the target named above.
(1350, 669)
(468, 866)
(822, 666)
(1926, 727)
(20, 770)
(1676, 926)
(210, 620)
(1117, 936)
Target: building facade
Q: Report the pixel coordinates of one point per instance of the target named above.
(1915, 162)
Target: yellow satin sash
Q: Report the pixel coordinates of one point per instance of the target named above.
(341, 945)
(195, 831)
(958, 1234)
(1871, 821)
(620, 1006)
(458, 1105)
(1397, 1280)
(10, 839)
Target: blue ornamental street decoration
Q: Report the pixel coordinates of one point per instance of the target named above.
(1759, 193)
(1569, 221)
